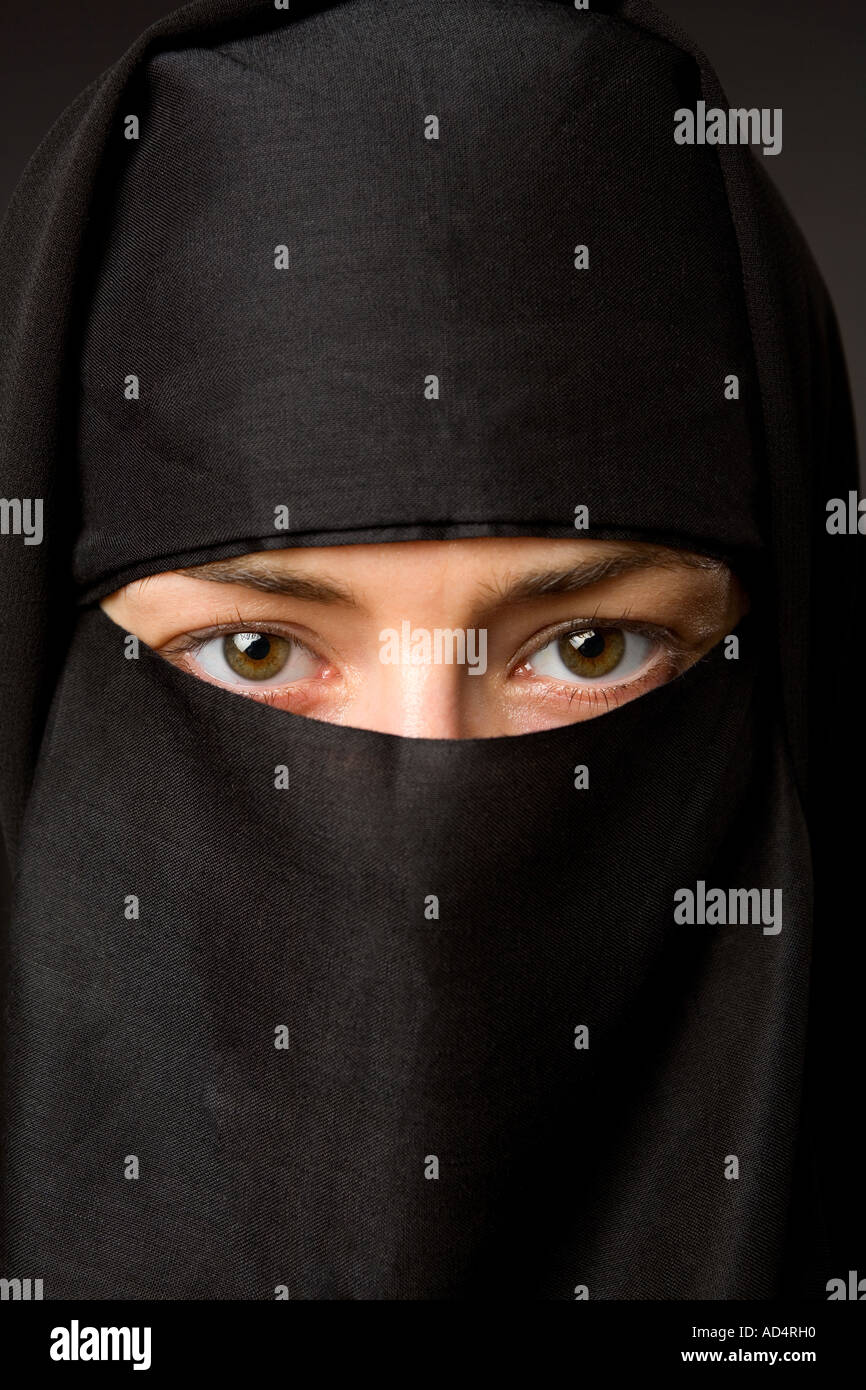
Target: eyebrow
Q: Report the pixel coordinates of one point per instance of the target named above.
(274, 579)
(546, 582)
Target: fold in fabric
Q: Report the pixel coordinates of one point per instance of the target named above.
(329, 1091)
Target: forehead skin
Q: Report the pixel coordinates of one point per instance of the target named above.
(480, 575)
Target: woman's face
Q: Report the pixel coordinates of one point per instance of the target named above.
(439, 639)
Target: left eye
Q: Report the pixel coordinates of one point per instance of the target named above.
(253, 658)
(592, 654)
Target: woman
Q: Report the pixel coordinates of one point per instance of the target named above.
(330, 330)
(387, 637)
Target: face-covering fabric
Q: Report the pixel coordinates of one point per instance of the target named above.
(303, 1008)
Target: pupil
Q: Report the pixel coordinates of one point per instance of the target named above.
(253, 644)
(589, 644)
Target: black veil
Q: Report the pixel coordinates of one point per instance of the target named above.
(308, 1169)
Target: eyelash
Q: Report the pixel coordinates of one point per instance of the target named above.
(192, 642)
(667, 644)
(662, 636)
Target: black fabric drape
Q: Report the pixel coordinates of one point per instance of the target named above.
(304, 1167)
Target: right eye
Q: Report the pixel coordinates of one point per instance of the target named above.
(255, 659)
(590, 654)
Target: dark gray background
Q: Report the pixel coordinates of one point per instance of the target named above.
(806, 56)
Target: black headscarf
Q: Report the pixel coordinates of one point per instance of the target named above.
(282, 259)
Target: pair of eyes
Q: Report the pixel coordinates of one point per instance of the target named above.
(587, 654)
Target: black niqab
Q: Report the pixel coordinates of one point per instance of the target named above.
(309, 1168)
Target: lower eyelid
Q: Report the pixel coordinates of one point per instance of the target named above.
(298, 691)
(665, 663)
(187, 651)
(660, 646)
